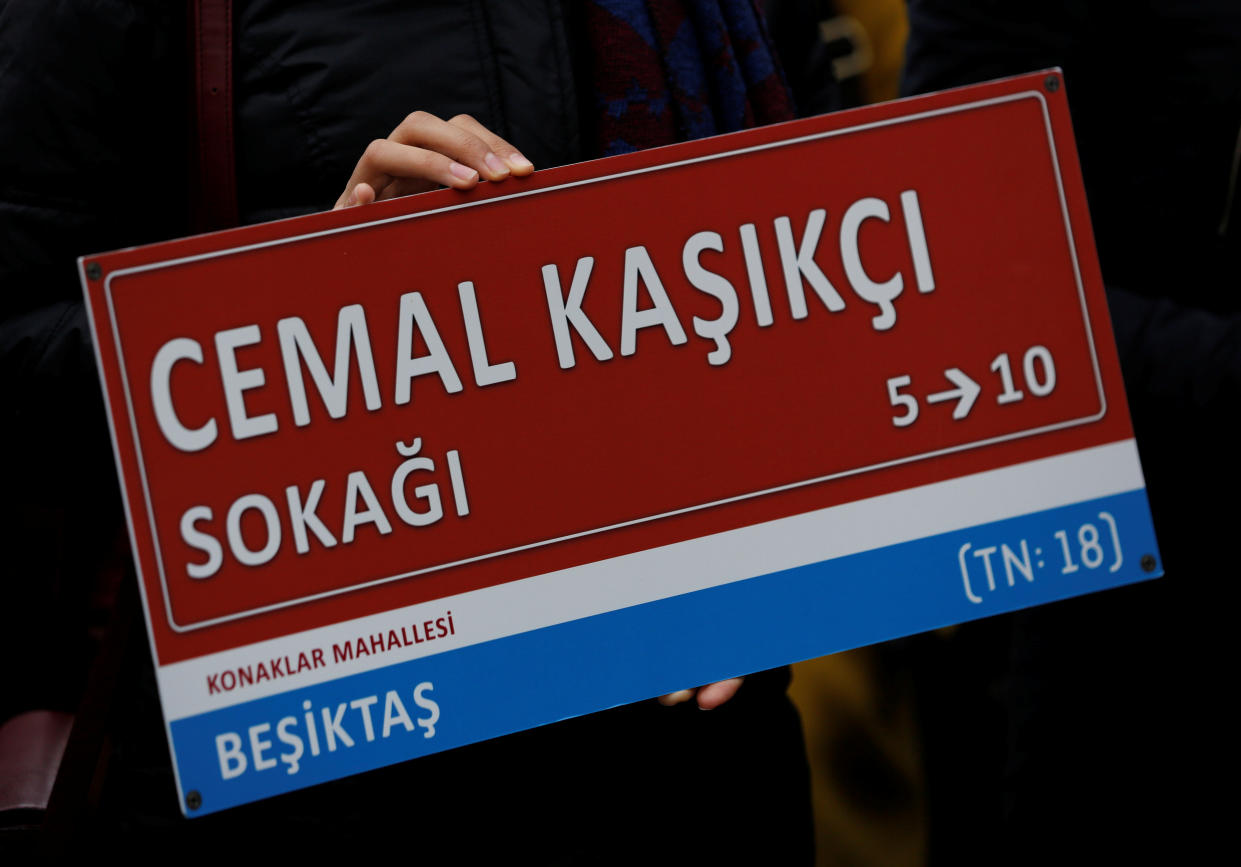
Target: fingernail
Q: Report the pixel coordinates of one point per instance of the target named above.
(493, 163)
(353, 198)
(517, 161)
(464, 172)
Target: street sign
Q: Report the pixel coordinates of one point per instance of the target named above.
(422, 473)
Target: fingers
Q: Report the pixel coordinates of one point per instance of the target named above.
(679, 697)
(517, 164)
(385, 161)
(710, 696)
(362, 194)
(715, 694)
(424, 152)
(424, 130)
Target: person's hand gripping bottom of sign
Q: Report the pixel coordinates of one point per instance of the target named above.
(710, 696)
(425, 152)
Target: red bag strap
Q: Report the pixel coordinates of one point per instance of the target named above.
(216, 182)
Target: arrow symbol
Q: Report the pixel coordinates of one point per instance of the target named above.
(965, 393)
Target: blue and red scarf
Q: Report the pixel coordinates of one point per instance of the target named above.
(672, 70)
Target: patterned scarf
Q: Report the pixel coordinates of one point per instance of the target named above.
(672, 70)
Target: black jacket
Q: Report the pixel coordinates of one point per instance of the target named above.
(95, 143)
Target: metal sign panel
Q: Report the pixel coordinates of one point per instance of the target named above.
(421, 473)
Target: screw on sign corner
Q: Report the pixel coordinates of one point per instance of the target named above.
(1148, 562)
(1052, 83)
(93, 271)
(193, 799)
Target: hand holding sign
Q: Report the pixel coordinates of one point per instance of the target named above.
(709, 697)
(424, 152)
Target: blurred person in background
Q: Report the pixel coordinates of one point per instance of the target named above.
(1120, 732)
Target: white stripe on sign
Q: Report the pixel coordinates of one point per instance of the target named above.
(221, 679)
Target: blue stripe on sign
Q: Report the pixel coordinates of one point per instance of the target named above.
(486, 690)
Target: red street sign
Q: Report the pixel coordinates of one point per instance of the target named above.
(321, 419)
